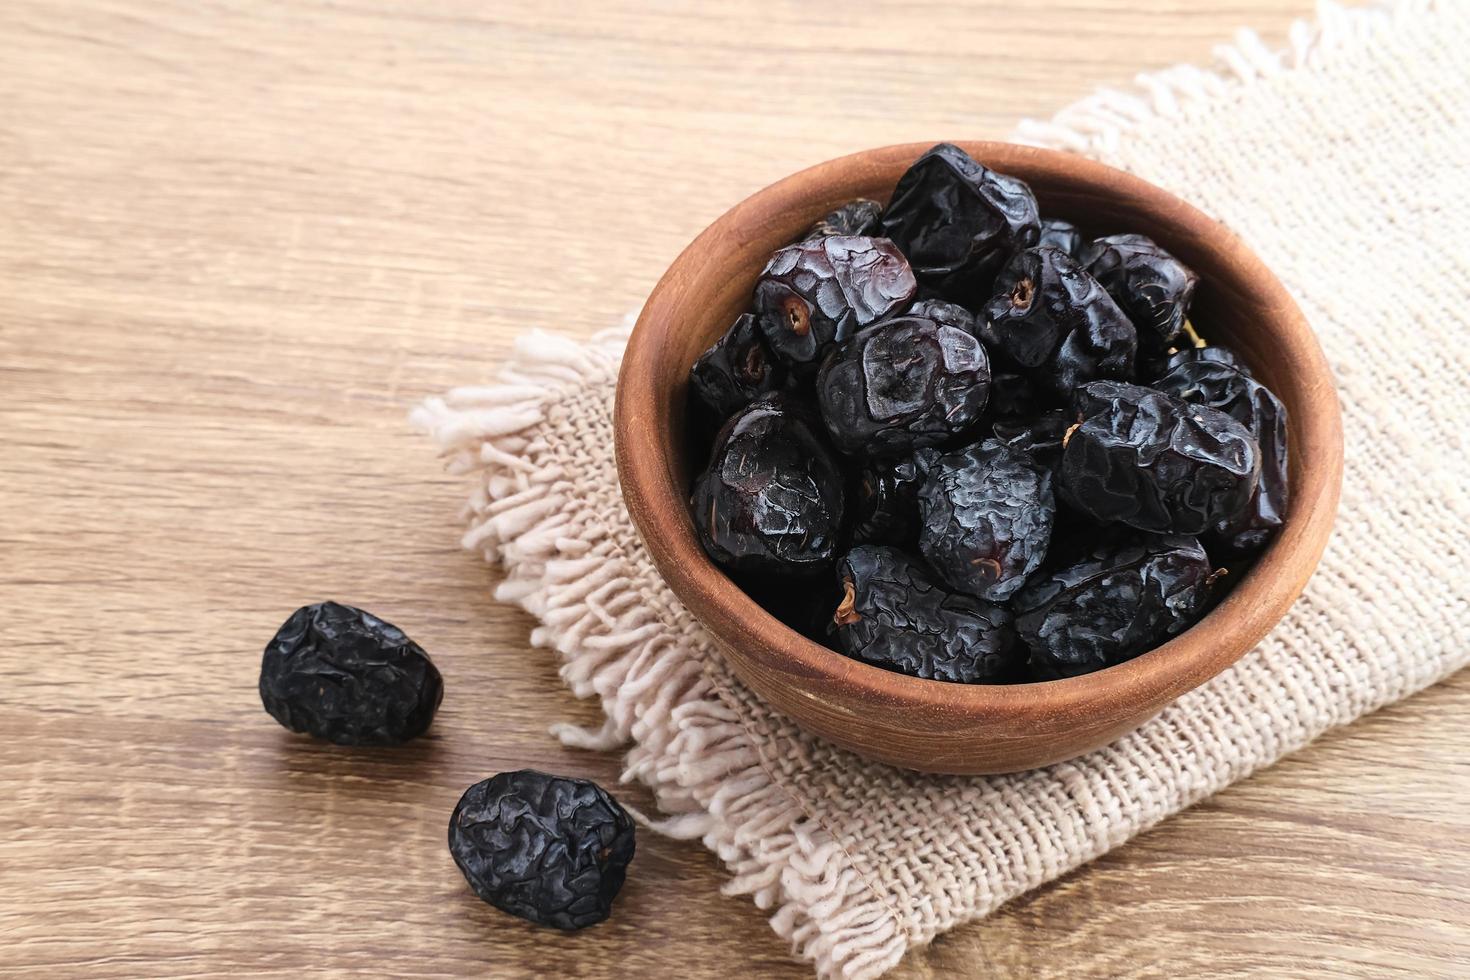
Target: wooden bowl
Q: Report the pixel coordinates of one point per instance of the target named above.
(932, 725)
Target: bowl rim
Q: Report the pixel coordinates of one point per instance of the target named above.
(650, 487)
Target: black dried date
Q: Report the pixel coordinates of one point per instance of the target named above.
(856, 217)
(1152, 286)
(342, 674)
(985, 519)
(736, 370)
(945, 314)
(886, 504)
(902, 384)
(1210, 355)
(1125, 596)
(1061, 234)
(958, 221)
(1050, 318)
(1151, 461)
(1041, 437)
(550, 849)
(1221, 386)
(772, 498)
(893, 615)
(815, 293)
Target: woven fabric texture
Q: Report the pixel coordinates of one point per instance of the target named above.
(1342, 161)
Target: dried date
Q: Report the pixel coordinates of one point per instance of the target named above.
(1061, 234)
(985, 519)
(958, 222)
(550, 849)
(818, 292)
(1221, 386)
(903, 384)
(893, 615)
(772, 499)
(1152, 286)
(1125, 596)
(886, 504)
(856, 217)
(1041, 437)
(342, 674)
(945, 314)
(1053, 320)
(1151, 461)
(736, 370)
(1214, 354)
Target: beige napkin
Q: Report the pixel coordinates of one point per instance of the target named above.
(1343, 162)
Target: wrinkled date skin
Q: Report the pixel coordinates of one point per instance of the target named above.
(1151, 461)
(1218, 385)
(772, 499)
(1040, 437)
(958, 222)
(1207, 355)
(945, 314)
(893, 615)
(1151, 286)
(1126, 596)
(856, 217)
(550, 849)
(1051, 318)
(902, 384)
(341, 674)
(886, 504)
(815, 293)
(985, 519)
(736, 370)
(1061, 234)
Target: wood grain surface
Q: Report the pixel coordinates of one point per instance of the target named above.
(239, 238)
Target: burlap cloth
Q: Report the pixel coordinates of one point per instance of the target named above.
(1343, 162)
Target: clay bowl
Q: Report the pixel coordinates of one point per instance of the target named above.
(931, 725)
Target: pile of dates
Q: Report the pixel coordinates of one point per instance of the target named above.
(959, 440)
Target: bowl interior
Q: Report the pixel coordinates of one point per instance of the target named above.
(1238, 303)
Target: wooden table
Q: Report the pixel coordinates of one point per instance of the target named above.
(239, 239)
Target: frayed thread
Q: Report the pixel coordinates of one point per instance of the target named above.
(687, 744)
(1096, 125)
